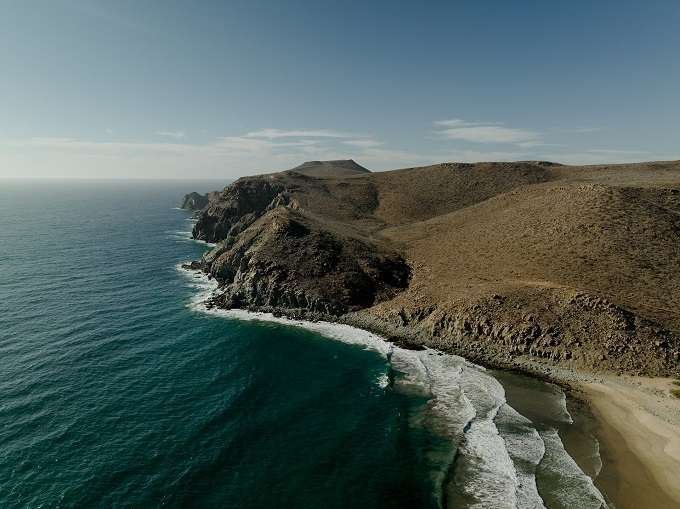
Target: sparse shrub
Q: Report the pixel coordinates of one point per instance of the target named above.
(676, 393)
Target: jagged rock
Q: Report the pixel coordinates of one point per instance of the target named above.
(196, 202)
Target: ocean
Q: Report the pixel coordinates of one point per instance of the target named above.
(119, 389)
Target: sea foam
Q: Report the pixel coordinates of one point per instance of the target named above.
(575, 488)
(187, 235)
(526, 449)
(497, 450)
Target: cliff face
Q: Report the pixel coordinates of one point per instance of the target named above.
(272, 254)
(196, 201)
(500, 262)
(287, 260)
(238, 206)
(562, 327)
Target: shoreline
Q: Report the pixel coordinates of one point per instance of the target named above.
(468, 397)
(640, 461)
(639, 428)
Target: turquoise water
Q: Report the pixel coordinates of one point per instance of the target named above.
(119, 389)
(113, 392)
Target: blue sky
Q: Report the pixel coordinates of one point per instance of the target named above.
(220, 89)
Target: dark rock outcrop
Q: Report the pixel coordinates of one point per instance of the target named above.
(273, 254)
(556, 326)
(237, 207)
(286, 260)
(196, 202)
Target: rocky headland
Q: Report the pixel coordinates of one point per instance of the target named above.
(519, 264)
(196, 202)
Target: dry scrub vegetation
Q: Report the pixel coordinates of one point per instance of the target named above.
(508, 262)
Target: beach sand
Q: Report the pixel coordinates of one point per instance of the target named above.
(639, 429)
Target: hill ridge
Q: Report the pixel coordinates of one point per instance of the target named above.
(502, 262)
(330, 168)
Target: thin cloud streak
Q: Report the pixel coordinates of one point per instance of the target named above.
(171, 134)
(362, 143)
(482, 132)
(272, 149)
(616, 151)
(271, 134)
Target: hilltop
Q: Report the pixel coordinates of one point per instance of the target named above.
(575, 266)
(338, 168)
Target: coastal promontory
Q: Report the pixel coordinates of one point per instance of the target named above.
(503, 263)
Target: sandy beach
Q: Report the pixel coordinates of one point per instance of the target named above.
(639, 428)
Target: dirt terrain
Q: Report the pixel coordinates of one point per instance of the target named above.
(504, 263)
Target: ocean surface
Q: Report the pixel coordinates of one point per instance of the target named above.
(119, 389)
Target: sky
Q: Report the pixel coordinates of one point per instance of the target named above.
(220, 89)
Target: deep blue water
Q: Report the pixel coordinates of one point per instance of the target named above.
(113, 392)
(118, 390)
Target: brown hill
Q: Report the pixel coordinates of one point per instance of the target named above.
(501, 262)
(338, 168)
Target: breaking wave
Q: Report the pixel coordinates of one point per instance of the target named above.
(497, 452)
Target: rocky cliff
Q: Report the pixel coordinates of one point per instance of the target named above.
(195, 201)
(504, 263)
(273, 254)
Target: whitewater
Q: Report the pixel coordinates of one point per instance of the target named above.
(497, 452)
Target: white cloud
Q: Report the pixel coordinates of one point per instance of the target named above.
(171, 134)
(537, 143)
(364, 143)
(531, 144)
(458, 122)
(489, 134)
(78, 145)
(247, 144)
(579, 130)
(482, 132)
(239, 144)
(297, 133)
(228, 157)
(616, 151)
(454, 122)
(276, 149)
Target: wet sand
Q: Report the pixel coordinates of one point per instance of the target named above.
(639, 429)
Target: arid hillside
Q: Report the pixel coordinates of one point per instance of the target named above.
(500, 262)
